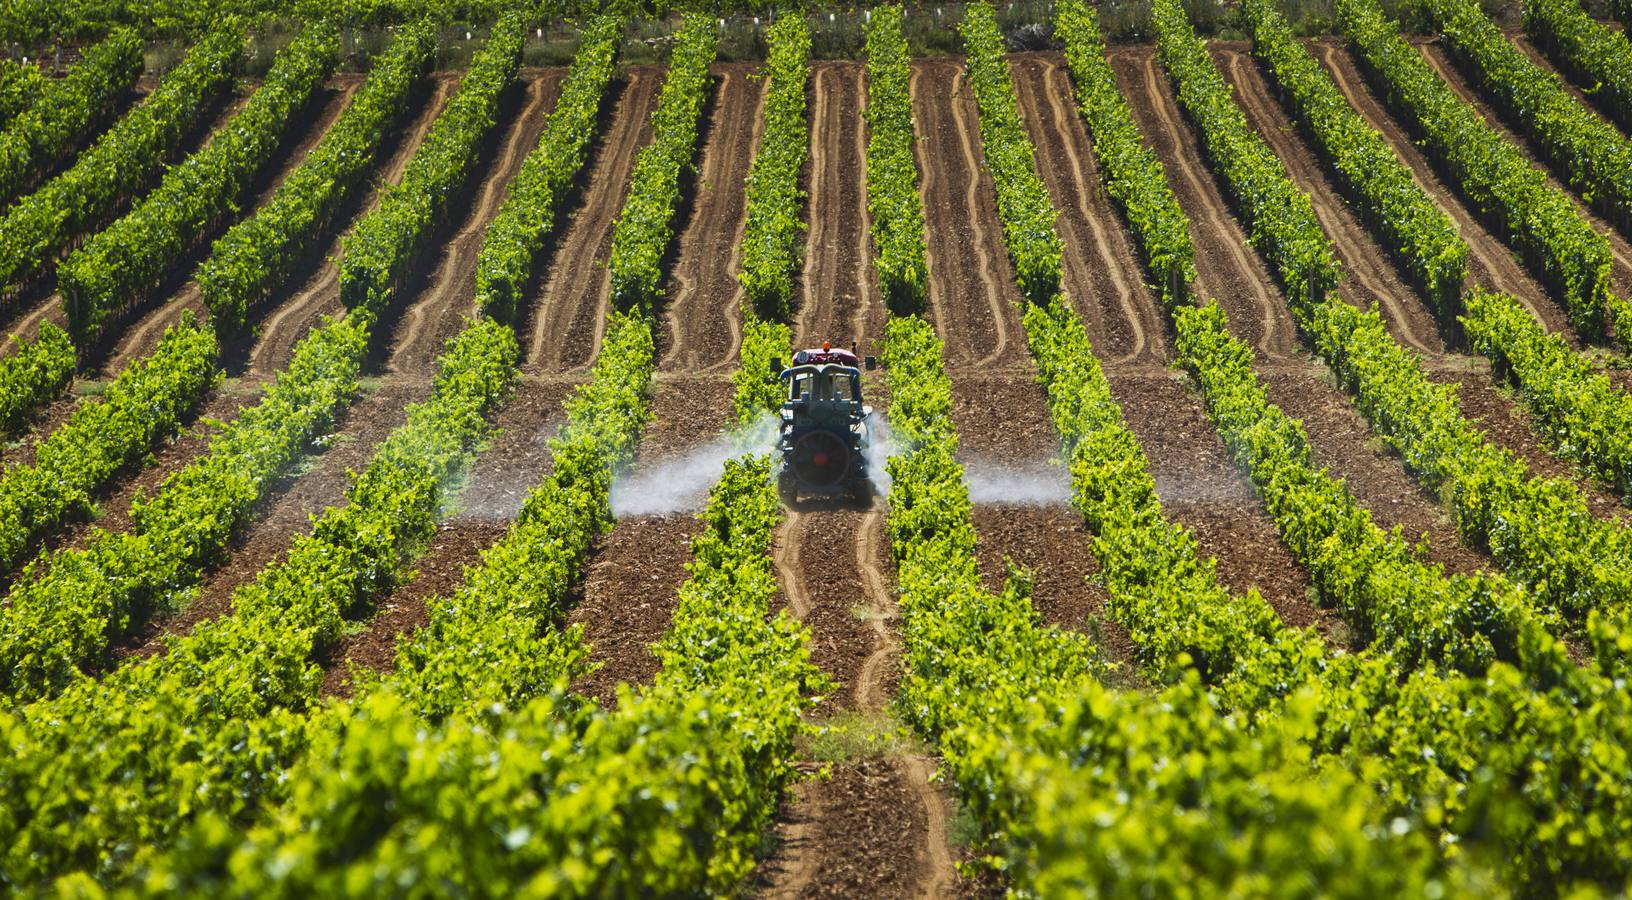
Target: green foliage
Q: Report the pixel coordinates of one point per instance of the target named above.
(214, 723)
(256, 256)
(771, 249)
(1022, 199)
(21, 85)
(1598, 58)
(129, 260)
(122, 162)
(1133, 175)
(645, 226)
(504, 268)
(1396, 210)
(102, 438)
(893, 201)
(758, 389)
(383, 247)
(67, 112)
(1580, 413)
(1591, 154)
(1279, 217)
(36, 373)
(1492, 175)
(1539, 529)
(65, 610)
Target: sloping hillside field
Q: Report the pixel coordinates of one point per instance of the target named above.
(516, 450)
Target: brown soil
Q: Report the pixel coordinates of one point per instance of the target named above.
(1201, 488)
(1102, 272)
(702, 329)
(288, 512)
(1490, 263)
(839, 299)
(1369, 276)
(841, 836)
(1227, 268)
(447, 301)
(1622, 252)
(319, 294)
(878, 823)
(972, 296)
(566, 324)
(516, 459)
(631, 588)
(1342, 443)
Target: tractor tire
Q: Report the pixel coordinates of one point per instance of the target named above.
(787, 487)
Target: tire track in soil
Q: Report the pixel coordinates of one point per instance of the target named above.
(1340, 440)
(1102, 273)
(877, 825)
(1440, 61)
(971, 301)
(838, 287)
(630, 589)
(1373, 280)
(1490, 263)
(143, 335)
(1226, 266)
(516, 459)
(564, 330)
(319, 294)
(1368, 276)
(702, 326)
(447, 300)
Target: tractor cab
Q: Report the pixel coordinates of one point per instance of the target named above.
(822, 435)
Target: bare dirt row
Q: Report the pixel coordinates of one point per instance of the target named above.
(872, 822)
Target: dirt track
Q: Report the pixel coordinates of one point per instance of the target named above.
(702, 329)
(1102, 271)
(971, 297)
(447, 300)
(567, 319)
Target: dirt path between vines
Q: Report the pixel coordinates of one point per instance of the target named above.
(517, 458)
(1369, 277)
(1102, 271)
(631, 588)
(702, 324)
(876, 824)
(971, 282)
(447, 301)
(563, 333)
(838, 287)
(1339, 437)
(1226, 266)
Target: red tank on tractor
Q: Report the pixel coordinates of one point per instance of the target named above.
(823, 434)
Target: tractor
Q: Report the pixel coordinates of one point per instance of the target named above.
(823, 433)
